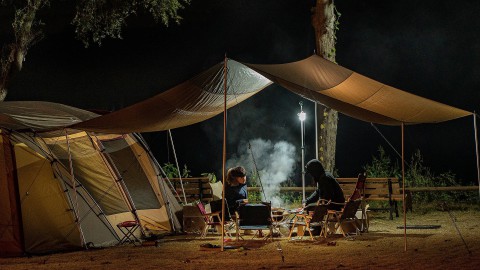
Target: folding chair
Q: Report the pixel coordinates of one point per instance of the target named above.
(128, 229)
(255, 217)
(359, 193)
(310, 219)
(212, 220)
(346, 215)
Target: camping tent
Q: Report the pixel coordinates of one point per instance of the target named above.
(63, 189)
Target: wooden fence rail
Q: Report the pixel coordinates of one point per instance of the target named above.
(412, 189)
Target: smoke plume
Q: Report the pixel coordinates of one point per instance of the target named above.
(274, 161)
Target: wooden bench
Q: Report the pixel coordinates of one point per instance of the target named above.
(379, 189)
(196, 189)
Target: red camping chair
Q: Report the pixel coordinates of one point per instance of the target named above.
(211, 220)
(359, 190)
(358, 194)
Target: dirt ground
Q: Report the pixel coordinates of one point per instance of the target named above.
(455, 245)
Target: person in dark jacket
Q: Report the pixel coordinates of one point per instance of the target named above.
(236, 188)
(328, 188)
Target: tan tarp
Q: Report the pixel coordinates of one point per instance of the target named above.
(314, 78)
(356, 95)
(193, 101)
(40, 115)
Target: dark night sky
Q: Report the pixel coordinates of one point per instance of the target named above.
(429, 48)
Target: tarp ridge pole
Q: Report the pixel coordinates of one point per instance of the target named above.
(178, 167)
(224, 150)
(403, 189)
(476, 150)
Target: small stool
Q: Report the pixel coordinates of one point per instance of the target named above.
(128, 228)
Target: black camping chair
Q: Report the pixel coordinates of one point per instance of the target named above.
(255, 217)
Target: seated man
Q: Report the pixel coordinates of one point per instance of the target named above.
(328, 188)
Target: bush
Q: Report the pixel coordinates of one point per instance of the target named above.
(172, 172)
(419, 175)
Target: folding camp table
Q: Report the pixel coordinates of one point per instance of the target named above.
(128, 229)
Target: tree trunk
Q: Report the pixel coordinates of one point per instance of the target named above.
(324, 21)
(26, 33)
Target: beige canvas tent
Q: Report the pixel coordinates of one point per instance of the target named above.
(63, 189)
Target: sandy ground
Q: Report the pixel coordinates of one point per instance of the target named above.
(381, 248)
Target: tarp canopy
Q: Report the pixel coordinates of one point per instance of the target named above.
(40, 115)
(193, 101)
(355, 95)
(314, 78)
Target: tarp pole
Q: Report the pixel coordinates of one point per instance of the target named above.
(178, 168)
(316, 131)
(476, 150)
(403, 189)
(224, 151)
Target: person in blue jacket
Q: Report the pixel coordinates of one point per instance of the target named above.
(328, 188)
(236, 188)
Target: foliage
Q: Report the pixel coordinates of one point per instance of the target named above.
(172, 172)
(382, 166)
(212, 178)
(253, 181)
(97, 19)
(419, 175)
(290, 198)
(94, 20)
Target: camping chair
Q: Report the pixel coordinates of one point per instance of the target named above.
(310, 219)
(359, 193)
(211, 220)
(359, 190)
(343, 217)
(255, 217)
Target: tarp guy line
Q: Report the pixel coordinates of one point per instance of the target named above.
(178, 168)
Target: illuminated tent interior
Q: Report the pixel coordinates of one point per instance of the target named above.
(64, 189)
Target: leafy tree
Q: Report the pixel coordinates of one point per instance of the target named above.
(94, 20)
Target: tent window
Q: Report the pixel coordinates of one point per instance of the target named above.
(132, 173)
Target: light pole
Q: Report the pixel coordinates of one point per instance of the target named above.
(302, 116)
